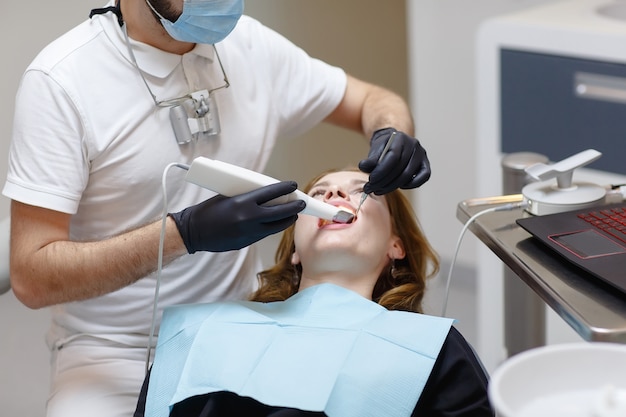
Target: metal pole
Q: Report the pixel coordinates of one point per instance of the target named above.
(524, 311)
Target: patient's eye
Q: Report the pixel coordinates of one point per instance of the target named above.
(317, 192)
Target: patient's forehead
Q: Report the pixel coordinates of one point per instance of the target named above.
(344, 177)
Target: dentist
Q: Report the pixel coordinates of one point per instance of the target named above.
(101, 113)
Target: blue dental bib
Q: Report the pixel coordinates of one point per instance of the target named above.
(324, 349)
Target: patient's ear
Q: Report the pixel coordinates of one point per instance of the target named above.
(396, 248)
(295, 258)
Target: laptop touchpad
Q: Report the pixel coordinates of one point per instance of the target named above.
(588, 244)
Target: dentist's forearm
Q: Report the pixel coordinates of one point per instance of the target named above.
(384, 108)
(65, 271)
(366, 108)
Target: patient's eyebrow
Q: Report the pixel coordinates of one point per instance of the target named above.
(355, 181)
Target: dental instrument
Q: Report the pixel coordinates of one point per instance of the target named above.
(230, 180)
(380, 158)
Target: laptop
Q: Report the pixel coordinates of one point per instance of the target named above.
(593, 239)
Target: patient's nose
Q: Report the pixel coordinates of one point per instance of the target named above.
(335, 191)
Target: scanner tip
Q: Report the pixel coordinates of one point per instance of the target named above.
(343, 217)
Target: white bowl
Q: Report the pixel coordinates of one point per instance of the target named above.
(572, 379)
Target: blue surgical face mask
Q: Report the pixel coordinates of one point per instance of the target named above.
(203, 21)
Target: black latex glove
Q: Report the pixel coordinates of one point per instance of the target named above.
(404, 166)
(222, 223)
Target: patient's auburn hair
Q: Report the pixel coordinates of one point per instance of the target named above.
(402, 291)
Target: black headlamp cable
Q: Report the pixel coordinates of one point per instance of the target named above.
(114, 9)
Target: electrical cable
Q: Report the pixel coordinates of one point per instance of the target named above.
(506, 207)
(160, 259)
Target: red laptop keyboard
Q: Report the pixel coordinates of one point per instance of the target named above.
(611, 221)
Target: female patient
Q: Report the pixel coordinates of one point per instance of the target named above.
(331, 331)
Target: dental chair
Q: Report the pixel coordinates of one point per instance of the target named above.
(5, 230)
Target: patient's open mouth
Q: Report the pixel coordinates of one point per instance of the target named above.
(345, 216)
